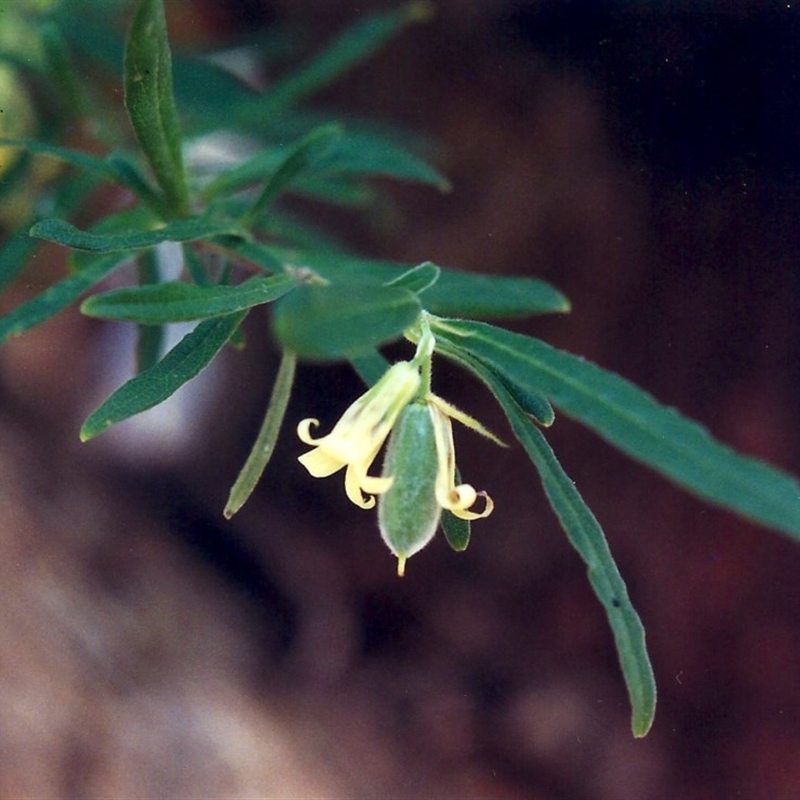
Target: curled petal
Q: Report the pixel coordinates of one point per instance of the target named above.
(304, 430)
(456, 499)
(359, 434)
(463, 513)
(357, 484)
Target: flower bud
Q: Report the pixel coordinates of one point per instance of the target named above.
(408, 511)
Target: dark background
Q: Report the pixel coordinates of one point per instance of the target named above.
(642, 158)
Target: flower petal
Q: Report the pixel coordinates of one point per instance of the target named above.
(320, 463)
(456, 499)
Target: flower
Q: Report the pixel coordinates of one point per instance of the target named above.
(358, 436)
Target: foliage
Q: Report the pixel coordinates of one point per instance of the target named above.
(241, 250)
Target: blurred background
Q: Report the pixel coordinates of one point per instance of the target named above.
(643, 158)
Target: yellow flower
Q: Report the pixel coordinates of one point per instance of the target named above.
(358, 436)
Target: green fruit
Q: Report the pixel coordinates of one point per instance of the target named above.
(408, 513)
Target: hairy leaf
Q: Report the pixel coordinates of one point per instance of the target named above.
(176, 301)
(184, 230)
(186, 360)
(150, 102)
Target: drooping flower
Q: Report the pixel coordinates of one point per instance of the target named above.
(358, 436)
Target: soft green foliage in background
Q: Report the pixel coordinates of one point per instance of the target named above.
(242, 250)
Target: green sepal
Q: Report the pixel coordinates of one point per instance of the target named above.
(456, 530)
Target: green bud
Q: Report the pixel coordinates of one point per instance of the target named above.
(408, 512)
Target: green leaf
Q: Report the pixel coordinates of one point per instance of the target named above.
(184, 230)
(370, 366)
(455, 293)
(352, 154)
(636, 423)
(14, 255)
(418, 279)
(532, 403)
(254, 252)
(176, 301)
(456, 530)
(586, 536)
(370, 154)
(62, 77)
(297, 160)
(127, 173)
(188, 358)
(57, 297)
(331, 322)
(264, 446)
(150, 102)
(75, 158)
(356, 44)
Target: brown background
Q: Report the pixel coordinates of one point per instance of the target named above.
(645, 163)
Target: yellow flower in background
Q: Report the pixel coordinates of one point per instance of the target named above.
(358, 436)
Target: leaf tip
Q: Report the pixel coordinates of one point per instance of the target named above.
(641, 727)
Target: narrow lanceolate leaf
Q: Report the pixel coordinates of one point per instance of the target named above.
(362, 154)
(127, 173)
(188, 358)
(177, 301)
(57, 297)
(586, 536)
(418, 279)
(455, 293)
(331, 322)
(297, 160)
(150, 102)
(184, 230)
(351, 156)
(636, 423)
(356, 44)
(533, 403)
(264, 445)
(75, 158)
